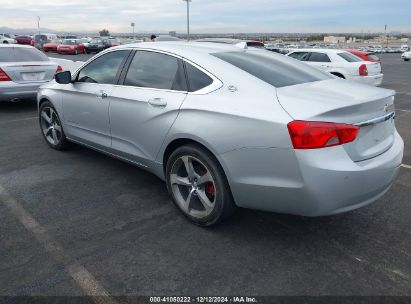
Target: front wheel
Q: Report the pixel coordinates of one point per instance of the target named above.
(51, 127)
(198, 186)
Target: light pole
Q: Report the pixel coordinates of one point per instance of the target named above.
(133, 25)
(38, 24)
(188, 19)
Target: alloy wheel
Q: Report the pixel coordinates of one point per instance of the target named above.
(51, 126)
(193, 186)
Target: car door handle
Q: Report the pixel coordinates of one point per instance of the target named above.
(157, 102)
(101, 94)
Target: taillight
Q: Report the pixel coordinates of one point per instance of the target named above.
(315, 135)
(363, 70)
(4, 76)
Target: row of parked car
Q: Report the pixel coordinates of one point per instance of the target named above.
(65, 44)
(287, 48)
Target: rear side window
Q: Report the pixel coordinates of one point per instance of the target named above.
(156, 70)
(302, 56)
(319, 57)
(17, 54)
(197, 80)
(104, 69)
(349, 57)
(277, 70)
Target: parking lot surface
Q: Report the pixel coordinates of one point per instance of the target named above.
(78, 222)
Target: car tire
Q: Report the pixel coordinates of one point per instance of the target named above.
(51, 127)
(203, 196)
(5, 42)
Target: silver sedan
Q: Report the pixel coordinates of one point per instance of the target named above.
(23, 69)
(227, 126)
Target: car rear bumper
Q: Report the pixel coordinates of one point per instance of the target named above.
(309, 182)
(13, 90)
(375, 80)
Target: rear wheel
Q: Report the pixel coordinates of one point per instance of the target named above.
(51, 127)
(5, 42)
(198, 186)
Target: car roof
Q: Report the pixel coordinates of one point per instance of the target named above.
(183, 48)
(328, 51)
(15, 46)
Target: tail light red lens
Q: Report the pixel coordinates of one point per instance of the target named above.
(4, 76)
(363, 70)
(315, 135)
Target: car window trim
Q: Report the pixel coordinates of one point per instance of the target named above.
(215, 85)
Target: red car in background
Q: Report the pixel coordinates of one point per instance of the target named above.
(51, 46)
(71, 46)
(366, 56)
(24, 40)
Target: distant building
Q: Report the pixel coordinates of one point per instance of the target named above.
(172, 33)
(334, 39)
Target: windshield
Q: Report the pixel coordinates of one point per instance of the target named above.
(277, 70)
(19, 54)
(69, 42)
(96, 41)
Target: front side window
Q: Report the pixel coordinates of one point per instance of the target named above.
(277, 70)
(104, 69)
(157, 71)
(197, 79)
(319, 57)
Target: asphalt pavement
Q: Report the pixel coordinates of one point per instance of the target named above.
(78, 223)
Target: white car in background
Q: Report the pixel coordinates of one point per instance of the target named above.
(341, 64)
(6, 39)
(406, 56)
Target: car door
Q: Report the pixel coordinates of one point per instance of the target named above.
(145, 106)
(319, 60)
(86, 101)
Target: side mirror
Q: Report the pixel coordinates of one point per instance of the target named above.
(63, 77)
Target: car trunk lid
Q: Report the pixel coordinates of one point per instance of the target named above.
(343, 101)
(29, 71)
(374, 68)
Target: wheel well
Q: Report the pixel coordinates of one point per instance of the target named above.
(338, 74)
(42, 100)
(172, 146)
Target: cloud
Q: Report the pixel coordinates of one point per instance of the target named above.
(209, 16)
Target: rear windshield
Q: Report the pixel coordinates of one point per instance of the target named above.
(373, 57)
(70, 42)
(349, 57)
(18, 54)
(277, 70)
